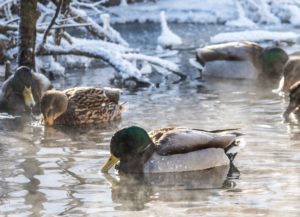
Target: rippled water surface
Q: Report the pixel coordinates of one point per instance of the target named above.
(50, 172)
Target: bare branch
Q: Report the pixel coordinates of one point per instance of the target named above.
(52, 21)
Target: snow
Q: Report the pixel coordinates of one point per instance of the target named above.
(295, 14)
(266, 15)
(167, 39)
(124, 69)
(211, 11)
(123, 3)
(154, 60)
(48, 65)
(109, 32)
(255, 35)
(242, 19)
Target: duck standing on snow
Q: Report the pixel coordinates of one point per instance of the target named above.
(167, 39)
(23, 90)
(242, 60)
(169, 150)
(80, 105)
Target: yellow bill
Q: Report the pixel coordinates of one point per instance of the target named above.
(28, 98)
(49, 120)
(110, 163)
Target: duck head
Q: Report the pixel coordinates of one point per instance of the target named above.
(53, 104)
(127, 145)
(294, 100)
(273, 60)
(21, 84)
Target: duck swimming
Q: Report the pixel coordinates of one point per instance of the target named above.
(23, 90)
(294, 95)
(291, 73)
(80, 105)
(242, 60)
(170, 150)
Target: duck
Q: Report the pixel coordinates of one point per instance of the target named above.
(172, 149)
(294, 103)
(167, 39)
(80, 105)
(21, 92)
(241, 60)
(291, 74)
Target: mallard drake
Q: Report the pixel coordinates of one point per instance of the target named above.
(169, 150)
(23, 90)
(291, 73)
(241, 60)
(80, 105)
(294, 95)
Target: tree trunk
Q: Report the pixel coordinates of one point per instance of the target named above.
(27, 33)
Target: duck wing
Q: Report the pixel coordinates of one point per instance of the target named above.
(228, 51)
(171, 141)
(92, 105)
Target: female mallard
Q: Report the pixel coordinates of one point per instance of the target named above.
(80, 105)
(169, 150)
(291, 73)
(294, 100)
(23, 90)
(241, 60)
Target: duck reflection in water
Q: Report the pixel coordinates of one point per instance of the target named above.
(134, 191)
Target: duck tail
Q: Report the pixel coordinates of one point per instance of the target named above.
(232, 150)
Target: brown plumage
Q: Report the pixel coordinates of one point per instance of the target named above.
(291, 73)
(81, 105)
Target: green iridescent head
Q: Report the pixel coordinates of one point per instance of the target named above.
(273, 60)
(127, 144)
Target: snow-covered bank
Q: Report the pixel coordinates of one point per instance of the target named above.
(237, 12)
(255, 35)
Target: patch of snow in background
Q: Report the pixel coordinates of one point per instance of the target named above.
(295, 14)
(255, 35)
(211, 11)
(242, 19)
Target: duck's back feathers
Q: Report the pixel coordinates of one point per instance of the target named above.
(231, 51)
(171, 141)
(88, 105)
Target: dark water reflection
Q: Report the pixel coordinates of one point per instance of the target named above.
(52, 171)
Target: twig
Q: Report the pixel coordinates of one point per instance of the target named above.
(6, 28)
(52, 21)
(5, 3)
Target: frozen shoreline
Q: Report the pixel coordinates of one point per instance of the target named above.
(212, 12)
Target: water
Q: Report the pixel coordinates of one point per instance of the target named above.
(52, 172)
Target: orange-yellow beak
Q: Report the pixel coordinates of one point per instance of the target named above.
(110, 163)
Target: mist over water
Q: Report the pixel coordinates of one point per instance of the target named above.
(50, 172)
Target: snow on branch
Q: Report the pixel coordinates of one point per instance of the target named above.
(103, 33)
(170, 66)
(124, 68)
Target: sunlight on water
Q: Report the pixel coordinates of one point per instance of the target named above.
(56, 171)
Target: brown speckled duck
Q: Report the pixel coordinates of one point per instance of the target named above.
(80, 105)
(291, 73)
(294, 95)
